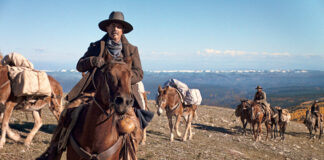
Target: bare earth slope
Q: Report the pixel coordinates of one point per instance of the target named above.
(217, 135)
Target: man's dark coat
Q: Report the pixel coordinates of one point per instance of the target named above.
(85, 64)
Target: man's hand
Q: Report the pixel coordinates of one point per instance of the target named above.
(97, 62)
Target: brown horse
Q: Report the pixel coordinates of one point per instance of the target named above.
(258, 117)
(170, 100)
(9, 102)
(243, 111)
(107, 128)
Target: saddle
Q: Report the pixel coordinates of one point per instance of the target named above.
(70, 118)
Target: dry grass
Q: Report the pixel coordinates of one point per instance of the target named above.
(217, 135)
(300, 113)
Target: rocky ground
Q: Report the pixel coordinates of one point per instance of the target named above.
(217, 135)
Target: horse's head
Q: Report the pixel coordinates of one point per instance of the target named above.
(239, 108)
(113, 84)
(162, 99)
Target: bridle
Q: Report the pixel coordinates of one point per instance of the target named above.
(114, 148)
(165, 101)
(111, 101)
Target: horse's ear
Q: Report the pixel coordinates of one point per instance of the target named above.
(160, 89)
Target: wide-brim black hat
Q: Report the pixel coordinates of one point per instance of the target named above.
(258, 87)
(116, 17)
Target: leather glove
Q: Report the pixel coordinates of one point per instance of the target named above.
(97, 62)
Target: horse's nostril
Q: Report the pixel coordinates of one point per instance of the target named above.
(119, 100)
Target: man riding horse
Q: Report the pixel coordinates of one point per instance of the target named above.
(115, 44)
(315, 109)
(261, 97)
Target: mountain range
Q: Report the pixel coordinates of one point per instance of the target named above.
(284, 88)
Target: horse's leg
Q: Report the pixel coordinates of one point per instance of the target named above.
(243, 124)
(284, 126)
(190, 132)
(244, 127)
(37, 125)
(5, 121)
(177, 125)
(188, 124)
(272, 131)
(14, 136)
(310, 132)
(259, 130)
(171, 128)
(276, 130)
(144, 137)
(56, 107)
(268, 129)
(253, 130)
(321, 130)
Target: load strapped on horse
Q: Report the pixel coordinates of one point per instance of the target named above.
(25, 81)
(22, 87)
(188, 96)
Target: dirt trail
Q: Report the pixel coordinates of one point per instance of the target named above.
(217, 135)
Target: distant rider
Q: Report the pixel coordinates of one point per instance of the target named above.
(315, 109)
(261, 97)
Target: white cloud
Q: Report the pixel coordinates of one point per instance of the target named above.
(211, 52)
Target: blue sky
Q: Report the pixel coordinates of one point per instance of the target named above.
(170, 35)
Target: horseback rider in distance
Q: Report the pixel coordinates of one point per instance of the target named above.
(261, 97)
(315, 109)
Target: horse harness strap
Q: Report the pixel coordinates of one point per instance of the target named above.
(99, 106)
(180, 95)
(103, 155)
(175, 107)
(4, 84)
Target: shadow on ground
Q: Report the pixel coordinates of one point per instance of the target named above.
(211, 128)
(27, 126)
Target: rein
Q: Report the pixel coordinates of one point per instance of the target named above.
(8, 81)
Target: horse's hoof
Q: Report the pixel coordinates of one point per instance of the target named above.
(179, 134)
(171, 137)
(190, 137)
(184, 139)
(27, 144)
(142, 143)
